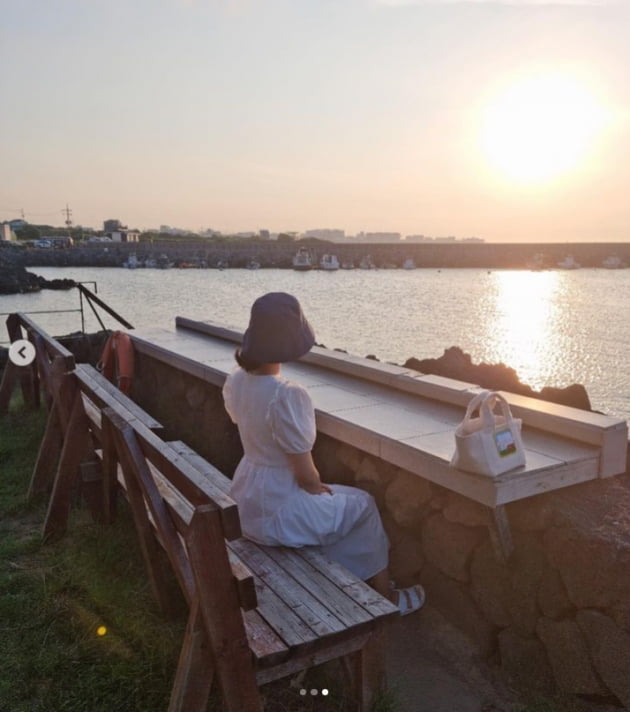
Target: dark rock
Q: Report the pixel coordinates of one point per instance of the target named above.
(14, 279)
(453, 600)
(594, 571)
(568, 654)
(455, 363)
(610, 651)
(407, 497)
(406, 558)
(449, 546)
(552, 596)
(524, 661)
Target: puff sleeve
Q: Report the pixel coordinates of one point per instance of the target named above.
(292, 419)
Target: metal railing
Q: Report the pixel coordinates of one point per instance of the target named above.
(87, 296)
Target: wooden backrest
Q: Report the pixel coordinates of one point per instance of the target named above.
(165, 492)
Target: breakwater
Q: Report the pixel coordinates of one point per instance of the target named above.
(279, 254)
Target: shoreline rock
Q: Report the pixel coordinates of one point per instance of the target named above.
(455, 363)
(15, 279)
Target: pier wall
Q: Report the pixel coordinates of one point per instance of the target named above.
(556, 617)
(279, 254)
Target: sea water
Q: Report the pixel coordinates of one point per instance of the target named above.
(553, 327)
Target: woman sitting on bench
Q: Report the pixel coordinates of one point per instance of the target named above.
(281, 498)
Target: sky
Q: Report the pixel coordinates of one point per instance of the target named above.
(503, 119)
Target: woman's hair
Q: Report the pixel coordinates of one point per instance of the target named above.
(245, 363)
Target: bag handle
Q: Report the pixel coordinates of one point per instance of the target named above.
(486, 402)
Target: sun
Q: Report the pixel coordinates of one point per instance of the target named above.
(541, 127)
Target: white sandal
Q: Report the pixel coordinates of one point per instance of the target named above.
(410, 599)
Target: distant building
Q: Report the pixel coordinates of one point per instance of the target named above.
(379, 237)
(418, 238)
(450, 238)
(264, 234)
(17, 223)
(124, 236)
(112, 225)
(333, 235)
(473, 239)
(6, 233)
(245, 235)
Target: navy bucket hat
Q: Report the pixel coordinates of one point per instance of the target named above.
(278, 330)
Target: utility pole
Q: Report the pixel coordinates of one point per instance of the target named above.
(68, 213)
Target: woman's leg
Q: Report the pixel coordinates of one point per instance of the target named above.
(380, 582)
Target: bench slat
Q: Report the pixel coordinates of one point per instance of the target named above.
(217, 478)
(358, 590)
(320, 586)
(296, 594)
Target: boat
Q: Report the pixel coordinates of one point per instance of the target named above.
(409, 264)
(613, 262)
(347, 264)
(163, 262)
(151, 263)
(302, 260)
(366, 263)
(330, 263)
(569, 263)
(537, 262)
(223, 264)
(131, 262)
(253, 264)
(389, 265)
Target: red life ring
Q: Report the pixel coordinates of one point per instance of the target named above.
(117, 361)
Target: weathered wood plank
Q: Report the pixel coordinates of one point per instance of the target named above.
(221, 614)
(48, 455)
(349, 612)
(222, 482)
(294, 593)
(102, 393)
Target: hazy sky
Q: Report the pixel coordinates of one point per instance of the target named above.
(506, 120)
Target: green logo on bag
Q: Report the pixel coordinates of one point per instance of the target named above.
(504, 441)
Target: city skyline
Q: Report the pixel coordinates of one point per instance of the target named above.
(503, 120)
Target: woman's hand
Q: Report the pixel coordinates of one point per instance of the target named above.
(319, 488)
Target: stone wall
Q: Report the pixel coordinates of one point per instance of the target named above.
(555, 617)
(279, 254)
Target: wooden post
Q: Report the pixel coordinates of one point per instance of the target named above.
(501, 534)
(72, 452)
(49, 452)
(195, 671)
(9, 377)
(368, 671)
(110, 472)
(148, 544)
(15, 333)
(221, 611)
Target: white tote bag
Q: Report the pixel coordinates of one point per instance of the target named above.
(490, 444)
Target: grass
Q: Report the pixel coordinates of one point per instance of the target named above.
(55, 597)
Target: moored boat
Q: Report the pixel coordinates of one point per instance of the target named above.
(613, 262)
(366, 263)
(302, 260)
(409, 264)
(569, 263)
(330, 263)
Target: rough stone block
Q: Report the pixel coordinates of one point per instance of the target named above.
(524, 661)
(450, 546)
(531, 514)
(595, 571)
(610, 652)
(454, 601)
(491, 586)
(349, 456)
(406, 498)
(552, 596)
(462, 510)
(569, 658)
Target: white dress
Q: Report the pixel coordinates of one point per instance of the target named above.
(275, 417)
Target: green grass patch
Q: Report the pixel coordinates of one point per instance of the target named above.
(56, 598)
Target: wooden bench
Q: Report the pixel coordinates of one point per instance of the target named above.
(256, 614)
